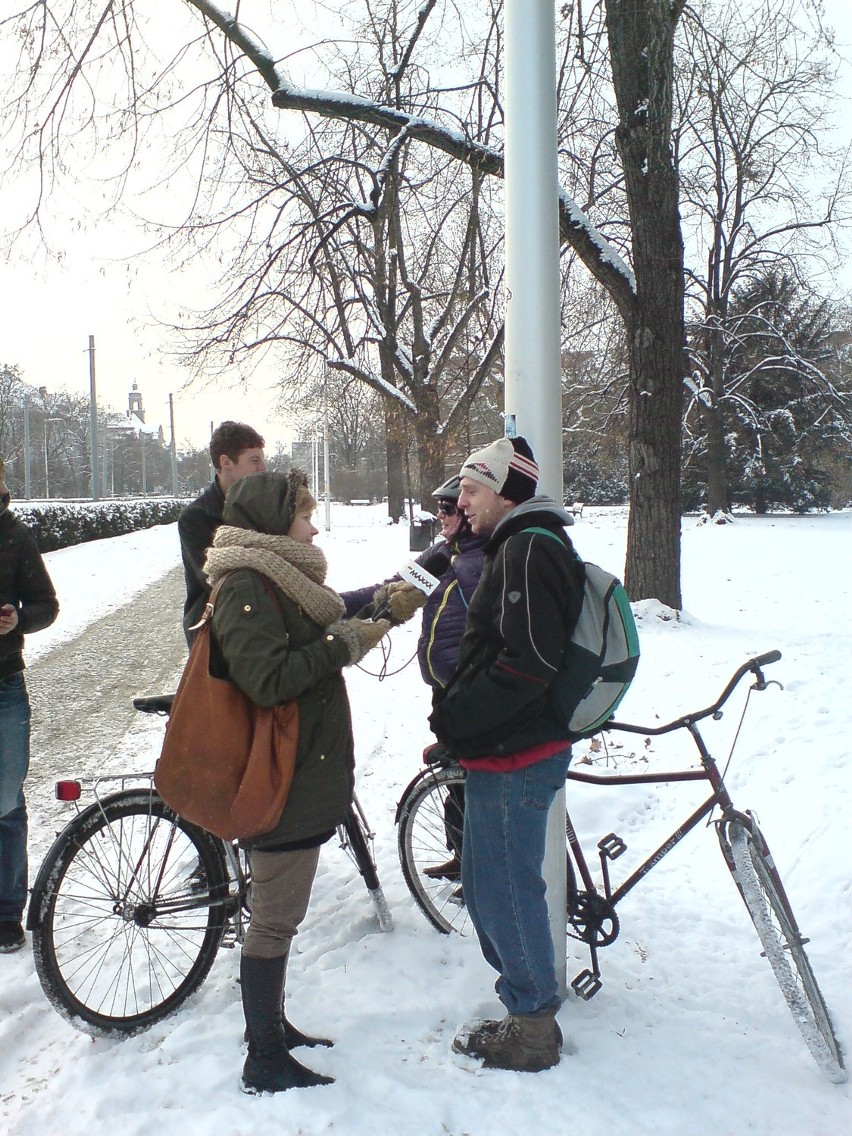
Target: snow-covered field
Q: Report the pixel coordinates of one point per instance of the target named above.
(689, 1034)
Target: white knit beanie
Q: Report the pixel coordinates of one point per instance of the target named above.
(507, 466)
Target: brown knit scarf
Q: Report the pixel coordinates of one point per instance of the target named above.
(297, 568)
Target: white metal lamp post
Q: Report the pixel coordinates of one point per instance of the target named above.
(533, 387)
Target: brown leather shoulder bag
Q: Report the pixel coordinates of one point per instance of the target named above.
(226, 764)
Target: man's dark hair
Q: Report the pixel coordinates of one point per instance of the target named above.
(232, 439)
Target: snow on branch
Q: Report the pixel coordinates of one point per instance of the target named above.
(375, 381)
(575, 227)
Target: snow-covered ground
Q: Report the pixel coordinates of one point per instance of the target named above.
(689, 1034)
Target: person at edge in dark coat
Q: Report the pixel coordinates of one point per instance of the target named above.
(235, 450)
(27, 604)
(496, 718)
(279, 633)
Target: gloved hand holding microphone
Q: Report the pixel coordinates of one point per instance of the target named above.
(399, 600)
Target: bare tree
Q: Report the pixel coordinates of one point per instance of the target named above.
(754, 88)
(12, 394)
(390, 288)
(70, 51)
(594, 395)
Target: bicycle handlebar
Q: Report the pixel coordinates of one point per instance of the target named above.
(753, 665)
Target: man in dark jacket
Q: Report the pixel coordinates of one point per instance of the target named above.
(235, 450)
(496, 716)
(27, 604)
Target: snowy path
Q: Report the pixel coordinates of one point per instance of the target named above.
(84, 724)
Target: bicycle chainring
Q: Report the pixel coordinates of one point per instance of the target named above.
(592, 919)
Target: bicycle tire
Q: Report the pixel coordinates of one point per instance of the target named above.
(750, 862)
(422, 844)
(132, 903)
(359, 844)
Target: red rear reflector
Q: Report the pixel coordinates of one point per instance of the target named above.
(68, 790)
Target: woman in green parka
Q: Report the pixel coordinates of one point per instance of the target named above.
(278, 632)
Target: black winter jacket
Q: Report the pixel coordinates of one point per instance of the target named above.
(520, 621)
(197, 526)
(24, 583)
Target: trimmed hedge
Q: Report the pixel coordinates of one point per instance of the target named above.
(63, 523)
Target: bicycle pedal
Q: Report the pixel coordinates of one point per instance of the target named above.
(612, 846)
(586, 985)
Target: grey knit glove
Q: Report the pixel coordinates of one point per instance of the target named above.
(359, 635)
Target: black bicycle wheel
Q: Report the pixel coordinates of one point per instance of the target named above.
(131, 905)
(356, 840)
(759, 884)
(429, 836)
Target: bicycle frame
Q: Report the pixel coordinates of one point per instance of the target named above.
(610, 847)
(593, 915)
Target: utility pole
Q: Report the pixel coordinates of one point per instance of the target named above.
(27, 494)
(533, 386)
(47, 422)
(93, 419)
(173, 447)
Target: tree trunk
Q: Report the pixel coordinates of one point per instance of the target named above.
(653, 530)
(431, 447)
(395, 452)
(714, 428)
(717, 478)
(641, 37)
(761, 506)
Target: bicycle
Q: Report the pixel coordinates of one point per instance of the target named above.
(132, 903)
(427, 830)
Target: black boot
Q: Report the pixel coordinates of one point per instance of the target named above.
(269, 1067)
(294, 1037)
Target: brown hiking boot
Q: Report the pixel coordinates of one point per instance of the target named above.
(526, 1043)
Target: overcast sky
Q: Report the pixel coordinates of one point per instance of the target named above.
(49, 312)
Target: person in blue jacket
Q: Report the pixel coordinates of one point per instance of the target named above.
(456, 558)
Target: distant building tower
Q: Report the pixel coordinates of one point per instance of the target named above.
(134, 404)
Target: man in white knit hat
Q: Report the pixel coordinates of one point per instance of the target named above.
(496, 717)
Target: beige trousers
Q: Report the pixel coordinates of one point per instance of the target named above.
(281, 885)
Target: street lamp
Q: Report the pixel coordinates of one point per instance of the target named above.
(46, 470)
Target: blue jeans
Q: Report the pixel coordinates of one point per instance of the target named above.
(505, 824)
(14, 762)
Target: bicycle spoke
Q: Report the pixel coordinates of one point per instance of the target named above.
(423, 844)
(133, 914)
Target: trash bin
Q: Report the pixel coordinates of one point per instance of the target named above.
(420, 535)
